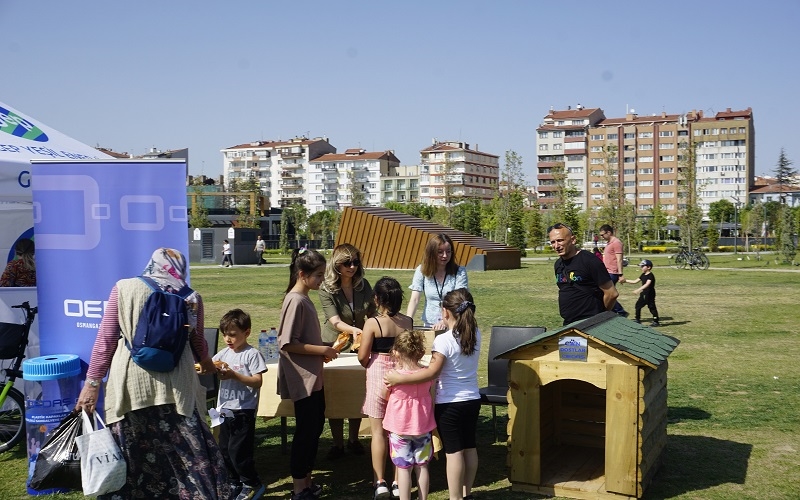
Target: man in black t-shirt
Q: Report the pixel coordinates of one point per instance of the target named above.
(584, 286)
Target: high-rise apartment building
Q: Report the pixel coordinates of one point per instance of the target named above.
(639, 158)
(561, 144)
(451, 170)
(334, 179)
(280, 167)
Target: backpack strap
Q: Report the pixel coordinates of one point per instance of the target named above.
(182, 293)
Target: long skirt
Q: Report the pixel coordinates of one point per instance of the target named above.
(169, 456)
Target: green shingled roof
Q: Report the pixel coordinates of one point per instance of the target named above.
(633, 339)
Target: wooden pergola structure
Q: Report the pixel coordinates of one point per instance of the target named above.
(394, 240)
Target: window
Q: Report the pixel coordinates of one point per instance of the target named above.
(597, 196)
(706, 156)
(645, 159)
(666, 145)
(575, 170)
(629, 159)
(645, 135)
(597, 185)
(646, 183)
(645, 171)
(558, 134)
(597, 137)
(668, 207)
(596, 149)
(596, 161)
(697, 132)
(667, 158)
(574, 157)
(666, 182)
(612, 137)
(665, 133)
(723, 131)
(598, 173)
(741, 130)
(666, 170)
(645, 147)
(629, 171)
(557, 146)
(646, 206)
(560, 122)
(629, 136)
(629, 184)
(542, 147)
(682, 133)
(708, 144)
(645, 195)
(542, 135)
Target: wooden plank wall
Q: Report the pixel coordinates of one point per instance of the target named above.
(393, 240)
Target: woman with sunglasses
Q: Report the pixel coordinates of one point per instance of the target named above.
(346, 299)
(438, 274)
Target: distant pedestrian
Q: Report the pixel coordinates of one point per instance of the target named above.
(261, 245)
(226, 254)
(612, 258)
(647, 292)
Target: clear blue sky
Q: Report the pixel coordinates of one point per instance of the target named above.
(390, 75)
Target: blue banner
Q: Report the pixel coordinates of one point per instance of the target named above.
(97, 222)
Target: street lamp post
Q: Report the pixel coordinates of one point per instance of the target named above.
(735, 224)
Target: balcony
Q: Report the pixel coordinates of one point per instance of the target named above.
(291, 165)
(289, 153)
(290, 175)
(291, 185)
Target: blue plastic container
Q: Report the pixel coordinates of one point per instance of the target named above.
(58, 376)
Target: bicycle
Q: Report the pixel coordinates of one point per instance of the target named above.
(695, 259)
(13, 342)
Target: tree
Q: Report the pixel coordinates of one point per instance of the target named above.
(245, 213)
(784, 174)
(199, 216)
(658, 220)
(612, 199)
(516, 225)
(358, 197)
(513, 178)
(297, 214)
(283, 242)
(718, 212)
(786, 244)
(322, 226)
(535, 226)
(690, 215)
(472, 216)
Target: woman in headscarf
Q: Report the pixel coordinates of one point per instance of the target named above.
(156, 416)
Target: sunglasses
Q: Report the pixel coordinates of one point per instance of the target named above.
(559, 225)
(354, 262)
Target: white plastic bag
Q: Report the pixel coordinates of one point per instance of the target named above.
(103, 469)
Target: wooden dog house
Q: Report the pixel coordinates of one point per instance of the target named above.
(394, 240)
(588, 409)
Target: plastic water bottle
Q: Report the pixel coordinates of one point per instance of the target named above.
(263, 344)
(273, 342)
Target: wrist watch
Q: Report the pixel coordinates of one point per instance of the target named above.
(92, 382)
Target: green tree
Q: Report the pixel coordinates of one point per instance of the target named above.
(358, 195)
(785, 174)
(283, 241)
(516, 224)
(658, 220)
(690, 214)
(535, 227)
(297, 214)
(472, 216)
(199, 215)
(322, 226)
(612, 199)
(786, 243)
(245, 216)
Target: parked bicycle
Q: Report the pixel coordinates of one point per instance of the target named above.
(695, 259)
(13, 342)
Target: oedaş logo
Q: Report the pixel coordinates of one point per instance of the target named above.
(15, 125)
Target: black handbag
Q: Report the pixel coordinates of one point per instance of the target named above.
(58, 464)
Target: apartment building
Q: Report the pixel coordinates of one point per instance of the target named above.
(561, 143)
(334, 178)
(638, 158)
(280, 167)
(402, 185)
(450, 170)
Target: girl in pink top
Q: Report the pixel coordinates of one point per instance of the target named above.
(409, 417)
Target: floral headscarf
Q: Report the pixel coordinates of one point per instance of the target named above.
(168, 267)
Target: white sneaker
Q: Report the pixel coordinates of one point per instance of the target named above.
(382, 491)
(395, 490)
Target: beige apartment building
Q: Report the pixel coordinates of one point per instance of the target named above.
(450, 170)
(401, 185)
(637, 158)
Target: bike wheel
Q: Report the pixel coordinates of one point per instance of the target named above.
(12, 420)
(680, 261)
(702, 261)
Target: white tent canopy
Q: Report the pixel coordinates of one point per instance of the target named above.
(23, 139)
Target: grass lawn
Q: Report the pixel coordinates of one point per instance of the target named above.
(734, 381)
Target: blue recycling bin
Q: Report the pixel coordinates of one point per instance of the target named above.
(58, 376)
